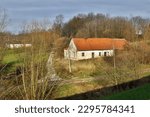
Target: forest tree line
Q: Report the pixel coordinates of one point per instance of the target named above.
(86, 26)
(101, 25)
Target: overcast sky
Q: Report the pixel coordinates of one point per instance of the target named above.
(27, 10)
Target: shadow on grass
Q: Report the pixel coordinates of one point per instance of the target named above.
(103, 92)
(9, 69)
(10, 65)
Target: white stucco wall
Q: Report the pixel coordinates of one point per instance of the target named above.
(88, 54)
(72, 53)
(17, 45)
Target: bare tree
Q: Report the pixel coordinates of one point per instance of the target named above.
(35, 74)
(4, 20)
(58, 24)
(3, 36)
(36, 78)
(147, 34)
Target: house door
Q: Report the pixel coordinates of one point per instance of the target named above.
(105, 53)
(92, 54)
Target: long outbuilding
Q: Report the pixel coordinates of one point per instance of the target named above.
(87, 48)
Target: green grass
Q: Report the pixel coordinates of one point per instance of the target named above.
(11, 59)
(15, 58)
(140, 93)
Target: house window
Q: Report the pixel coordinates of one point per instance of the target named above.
(105, 53)
(92, 54)
(83, 54)
(99, 53)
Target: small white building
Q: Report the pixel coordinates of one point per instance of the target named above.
(87, 48)
(17, 45)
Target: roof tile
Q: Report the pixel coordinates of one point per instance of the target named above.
(99, 43)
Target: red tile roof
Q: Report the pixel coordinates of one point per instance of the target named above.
(99, 43)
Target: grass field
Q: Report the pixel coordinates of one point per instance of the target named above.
(12, 59)
(140, 93)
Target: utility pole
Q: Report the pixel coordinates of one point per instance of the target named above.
(114, 61)
(70, 70)
(114, 55)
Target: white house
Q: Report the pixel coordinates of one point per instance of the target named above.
(87, 48)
